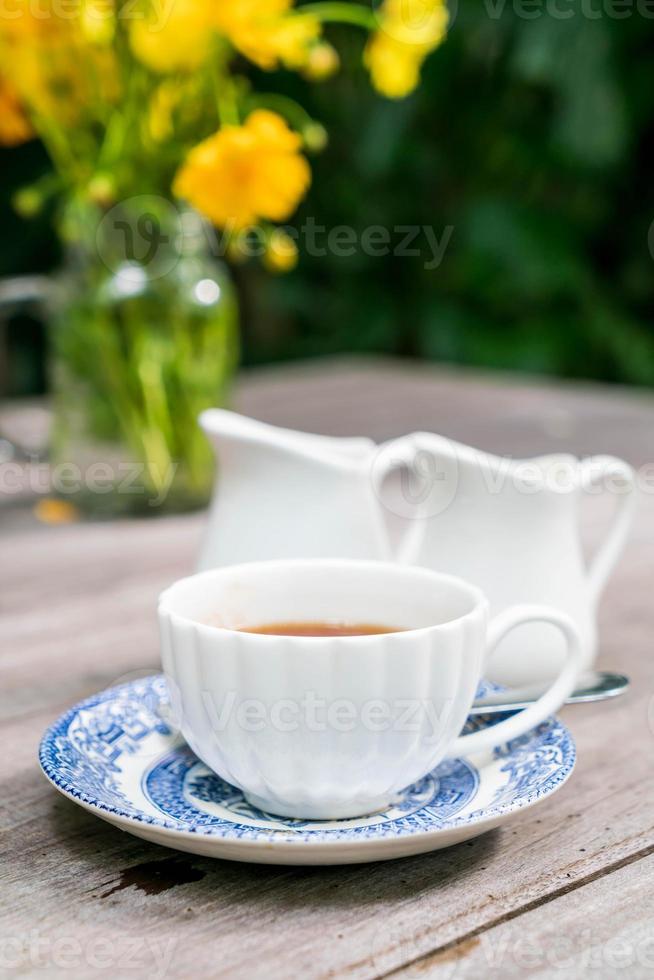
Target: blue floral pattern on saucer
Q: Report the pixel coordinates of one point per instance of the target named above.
(183, 787)
(117, 754)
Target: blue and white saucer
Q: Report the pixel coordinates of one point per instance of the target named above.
(117, 755)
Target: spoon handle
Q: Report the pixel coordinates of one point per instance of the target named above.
(592, 686)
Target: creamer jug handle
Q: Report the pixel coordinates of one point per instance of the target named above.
(423, 462)
(604, 473)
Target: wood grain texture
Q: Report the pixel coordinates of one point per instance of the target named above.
(603, 929)
(77, 607)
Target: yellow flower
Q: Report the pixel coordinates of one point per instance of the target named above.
(243, 174)
(322, 62)
(281, 252)
(267, 31)
(21, 37)
(409, 30)
(97, 21)
(50, 510)
(174, 37)
(292, 39)
(165, 100)
(53, 67)
(14, 125)
(101, 190)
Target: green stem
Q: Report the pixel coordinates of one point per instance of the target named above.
(342, 13)
(294, 112)
(123, 122)
(225, 99)
(115, 376)
(58, 149)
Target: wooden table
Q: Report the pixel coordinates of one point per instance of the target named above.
(566, 889)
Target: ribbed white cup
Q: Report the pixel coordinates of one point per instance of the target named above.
(324, 727)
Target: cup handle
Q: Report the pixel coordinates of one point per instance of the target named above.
(595, 471)
(547, 703)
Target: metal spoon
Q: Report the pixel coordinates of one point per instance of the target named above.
(595, 685)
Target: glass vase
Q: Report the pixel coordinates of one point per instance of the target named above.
(143, 338)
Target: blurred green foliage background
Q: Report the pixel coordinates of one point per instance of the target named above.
(531, 136)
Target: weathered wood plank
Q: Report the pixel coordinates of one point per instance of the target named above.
(602, 929)
(386, 913)
(77, 609)
(84, 598)
(503, 414)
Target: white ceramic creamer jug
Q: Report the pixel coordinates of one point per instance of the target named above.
(511, 527)
(286, 494)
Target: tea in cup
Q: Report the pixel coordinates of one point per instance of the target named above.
(322, 688)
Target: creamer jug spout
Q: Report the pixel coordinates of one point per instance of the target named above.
(286, 494)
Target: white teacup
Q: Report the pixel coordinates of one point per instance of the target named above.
(335, 727)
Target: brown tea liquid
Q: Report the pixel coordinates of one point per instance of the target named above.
(321, 629)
